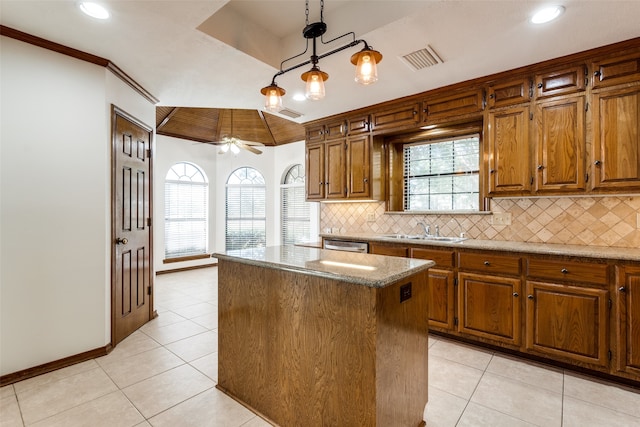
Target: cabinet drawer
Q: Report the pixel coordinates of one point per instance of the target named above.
(441, 258)
(568, 270)
(495, 264)
(387, 250)
(510, 92)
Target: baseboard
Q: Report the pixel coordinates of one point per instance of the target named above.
(55, 365)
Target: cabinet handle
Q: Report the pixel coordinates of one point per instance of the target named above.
(515, 294)
(366, 180)
(539, 85)
(492, 171)
(564, 271)
(529, 296)
(491, 96)
(597, 73)
(415, 112)
(540, 167)
(321, 183)
(622, 289)
(597, 163)
(487, 263)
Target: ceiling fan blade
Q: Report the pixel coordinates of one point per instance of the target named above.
(255, 144)
(249, 148)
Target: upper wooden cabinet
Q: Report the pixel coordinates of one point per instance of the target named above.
(510, 92)
(615, 71)
(561, 82)
(402, 116)
(559, 138)
(314, 179)
(453, 107)
(358, 165)
(616, 134)
(507, 145)
(326, 131)
(358, 124)
(325, 170)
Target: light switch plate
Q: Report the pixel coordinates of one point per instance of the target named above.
(371, 217)
(501, 218)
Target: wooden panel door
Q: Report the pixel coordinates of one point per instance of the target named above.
(508, 151)
(489, 307)
(441, 299)
(616, 130)
(131, 278)
(335, 170)
(358, 167)
(314, 160)
(568, 321)
(560, 145)
(628, 319)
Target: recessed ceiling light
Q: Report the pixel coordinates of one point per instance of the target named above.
(299, 97)
(94, 10)
(547, 14)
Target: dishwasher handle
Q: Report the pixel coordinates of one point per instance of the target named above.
(347, 246)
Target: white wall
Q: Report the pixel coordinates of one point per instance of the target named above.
(272, 163)
(55, 203)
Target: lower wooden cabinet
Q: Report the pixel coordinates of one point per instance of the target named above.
(628, 320)
(568, 322)
(489, 307)
(441, 288)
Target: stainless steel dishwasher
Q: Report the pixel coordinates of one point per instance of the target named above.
(343, 245)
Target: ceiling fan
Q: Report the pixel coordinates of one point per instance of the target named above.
(231, 143)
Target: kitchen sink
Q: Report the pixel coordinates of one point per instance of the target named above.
(449, 239)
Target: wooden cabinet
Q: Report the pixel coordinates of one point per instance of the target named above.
(326, 131)
(390, 250)
(358, 124)
(358, 165)
(559, 138)
(314, 180)
(453, 107)
(568, 322)
(402, 116)
(616, 145)
(561, 82)
(489, 304)
(325, 168)
(509, 92)
(567, 315)
(615, 71)
(507, 140)
(627, 324)
(441, 288)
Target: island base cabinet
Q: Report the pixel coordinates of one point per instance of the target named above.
(628, 321)
(568, 322)
(489, 307)
(305, 350)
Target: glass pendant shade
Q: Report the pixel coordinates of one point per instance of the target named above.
(273, 97)
(366, 65)
(315, 83)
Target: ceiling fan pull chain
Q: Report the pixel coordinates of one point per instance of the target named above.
(321, 10)
(306, 12)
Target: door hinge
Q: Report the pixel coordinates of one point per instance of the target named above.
(455, 321)
(148, 290)
(531, 180)
(586, 106)
(345, 191)
(610, 303)
(531, 89)
(346, 147)
(148, 153)
(455, 282)
(610, 355)
(586, 177)
(148, 222)
(530, 116)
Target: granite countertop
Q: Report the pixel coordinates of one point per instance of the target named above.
(376, 271)
(598, 252)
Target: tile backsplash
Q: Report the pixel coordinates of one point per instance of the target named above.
(597, 221)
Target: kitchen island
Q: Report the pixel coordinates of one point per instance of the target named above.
(316, 337)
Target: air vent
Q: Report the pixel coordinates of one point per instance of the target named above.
(422, 58)
(290, 113)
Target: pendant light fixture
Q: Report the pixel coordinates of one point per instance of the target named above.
(365, 61)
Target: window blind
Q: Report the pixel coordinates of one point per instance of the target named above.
(442, 175)
(245, 210)
(295, 211)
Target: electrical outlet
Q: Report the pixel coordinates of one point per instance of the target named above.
(501, 218)
(371, 217)
(335, 230)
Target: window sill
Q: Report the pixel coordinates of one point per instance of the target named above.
(185, 258)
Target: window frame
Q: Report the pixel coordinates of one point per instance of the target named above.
(298, 187)
(253, 219)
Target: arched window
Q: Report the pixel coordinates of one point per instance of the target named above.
(185, 211)
(245, 210)
(295, 210)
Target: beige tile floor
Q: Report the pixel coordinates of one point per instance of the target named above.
(165, 375)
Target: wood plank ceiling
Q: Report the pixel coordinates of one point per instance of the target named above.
(211, 124)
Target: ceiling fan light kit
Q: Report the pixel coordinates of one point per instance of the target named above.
(365, 61)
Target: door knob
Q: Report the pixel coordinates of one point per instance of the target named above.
(122, 241)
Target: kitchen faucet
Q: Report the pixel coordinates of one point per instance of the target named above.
(426, 227)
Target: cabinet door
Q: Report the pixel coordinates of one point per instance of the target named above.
(489, 307)
(397, 117)
(358, 124)
(315, 172)
(358, 167)
(616, 130)
(517, 91)
(375, 248)
(568, 322)
(441, 299)
(453, 106)
(315, 133)
(508, 151)
(628, 320)
(614, 71)
(335, 170)
(560, 82)
(335, 130)
(560, 145)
